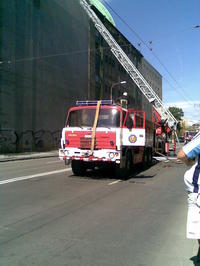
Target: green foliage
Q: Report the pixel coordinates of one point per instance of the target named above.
(177, 112)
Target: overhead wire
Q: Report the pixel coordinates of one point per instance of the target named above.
(175, 33)
(155, 55)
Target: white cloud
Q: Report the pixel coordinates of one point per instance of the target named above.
(191, 109)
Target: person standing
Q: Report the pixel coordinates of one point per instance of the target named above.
(190, 155)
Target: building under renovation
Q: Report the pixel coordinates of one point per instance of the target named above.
(50, 56)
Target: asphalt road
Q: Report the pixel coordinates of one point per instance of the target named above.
(48, 216)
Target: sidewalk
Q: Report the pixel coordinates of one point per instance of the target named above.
(27, 156)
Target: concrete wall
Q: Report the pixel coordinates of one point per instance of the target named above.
(43, 70)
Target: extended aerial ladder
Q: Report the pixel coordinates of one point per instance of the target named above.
(130, 68)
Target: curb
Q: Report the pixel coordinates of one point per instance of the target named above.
(29, 156)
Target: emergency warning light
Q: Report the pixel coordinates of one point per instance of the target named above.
(86, 103)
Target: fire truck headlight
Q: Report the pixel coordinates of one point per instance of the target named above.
(111, 155)
(66, 153)
(114, 111)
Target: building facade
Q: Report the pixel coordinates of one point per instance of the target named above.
(50, 56)
(43, 70)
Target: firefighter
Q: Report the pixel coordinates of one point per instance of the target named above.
(123, 100)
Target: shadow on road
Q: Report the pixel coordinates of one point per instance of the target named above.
(137, 176)
(108, 173)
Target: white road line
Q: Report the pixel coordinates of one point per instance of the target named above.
(58, 161)
(114, 182)
(3, 182)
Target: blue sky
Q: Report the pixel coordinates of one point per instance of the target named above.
(175, 41)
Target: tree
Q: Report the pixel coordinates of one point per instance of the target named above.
(177, 112)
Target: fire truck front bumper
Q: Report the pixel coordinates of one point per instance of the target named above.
(86, 155)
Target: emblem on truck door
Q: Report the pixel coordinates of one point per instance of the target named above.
(132, 138)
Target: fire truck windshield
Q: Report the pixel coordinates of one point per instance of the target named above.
(85, 118)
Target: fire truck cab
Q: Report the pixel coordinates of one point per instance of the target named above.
(120, 137)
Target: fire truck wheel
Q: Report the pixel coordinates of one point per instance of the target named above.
(119, 172)
(124, 173)
(150, 157)
(78, 167)
(129, 163)
(145, 159)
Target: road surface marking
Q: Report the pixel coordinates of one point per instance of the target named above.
(58, 161)
(3, 182)
(114, 182)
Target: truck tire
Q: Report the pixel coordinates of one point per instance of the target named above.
(145, 159)
(78, 167)
(150, 157)
(128, 164)
(124, 173)
(119, 172)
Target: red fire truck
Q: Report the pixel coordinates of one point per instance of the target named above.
(103, 132)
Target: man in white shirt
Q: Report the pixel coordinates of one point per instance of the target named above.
(190, 155)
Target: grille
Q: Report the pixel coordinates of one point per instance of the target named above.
(85, 143)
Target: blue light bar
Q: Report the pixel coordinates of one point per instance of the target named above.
(88, 103)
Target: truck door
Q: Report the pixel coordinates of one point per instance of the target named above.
(133, 131)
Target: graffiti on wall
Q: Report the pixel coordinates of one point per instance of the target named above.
(29, 140)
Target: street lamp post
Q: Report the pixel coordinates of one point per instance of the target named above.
(114, 84)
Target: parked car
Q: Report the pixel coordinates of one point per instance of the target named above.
(189, 135)
(181, 139)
